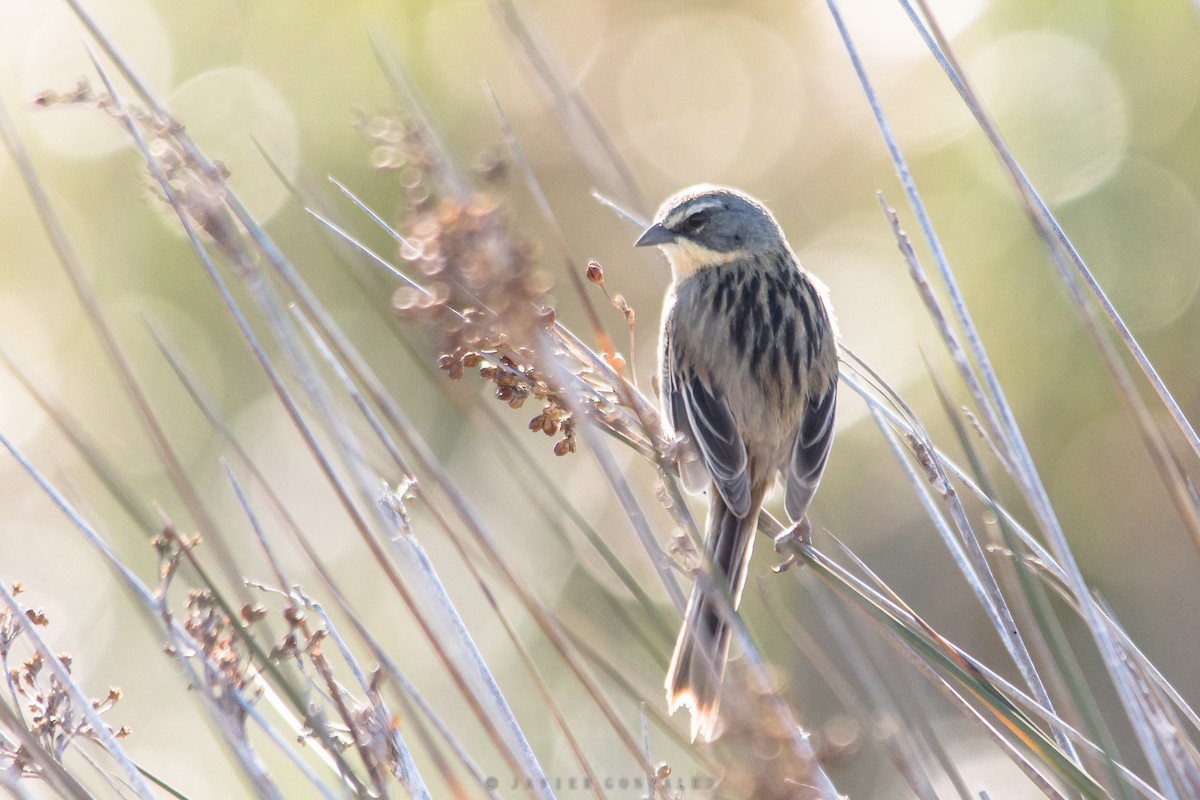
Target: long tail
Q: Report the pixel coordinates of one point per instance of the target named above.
(698, 663)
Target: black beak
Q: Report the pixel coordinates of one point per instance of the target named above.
(655, 234)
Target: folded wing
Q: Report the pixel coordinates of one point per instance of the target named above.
(810, 452)
(702, 414)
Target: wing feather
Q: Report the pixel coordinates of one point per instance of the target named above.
(809, 453)
(701, 413)
(721, 447)
(693, 473)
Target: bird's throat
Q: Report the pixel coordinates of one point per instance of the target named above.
(687, 258)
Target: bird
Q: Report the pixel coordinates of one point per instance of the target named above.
(748, 383)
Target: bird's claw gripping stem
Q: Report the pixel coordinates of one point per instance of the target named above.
(800, 533)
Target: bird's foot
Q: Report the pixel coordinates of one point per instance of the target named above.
(800, 533)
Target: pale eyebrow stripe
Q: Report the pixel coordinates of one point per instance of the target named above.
(690, 209)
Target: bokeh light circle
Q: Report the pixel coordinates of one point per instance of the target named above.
(703, 95)
(1141, 243)
(1059, 106)
(55, 60)
(227, 110)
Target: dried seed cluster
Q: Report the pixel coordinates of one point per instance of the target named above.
(400, 147)
(476, 269)
(225, 666)
(219, 644)
(228, 669)
(516, 383)
(758, 746)
(49, 712)
(479, 283)
(171, 547)
(297, 641)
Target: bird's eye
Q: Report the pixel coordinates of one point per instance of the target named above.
(697, 220)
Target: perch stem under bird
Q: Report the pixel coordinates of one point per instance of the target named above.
(748, 368)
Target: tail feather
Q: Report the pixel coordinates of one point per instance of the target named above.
(698, 663)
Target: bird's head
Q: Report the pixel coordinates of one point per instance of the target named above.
(711, 225)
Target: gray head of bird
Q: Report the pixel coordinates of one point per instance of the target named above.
(715, 218)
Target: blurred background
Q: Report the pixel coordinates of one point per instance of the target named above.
(1097, 99)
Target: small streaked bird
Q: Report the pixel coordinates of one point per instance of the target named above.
(748, 369)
